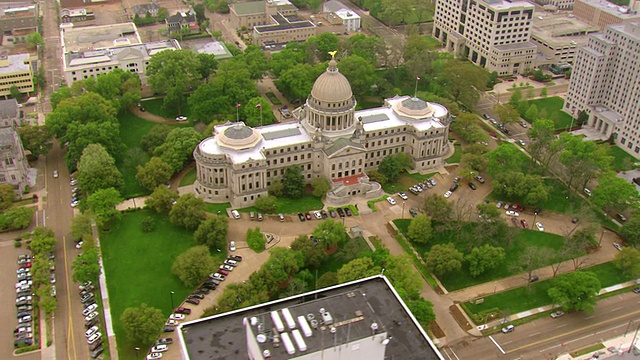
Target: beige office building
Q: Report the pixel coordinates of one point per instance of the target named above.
(602, 13)
(16, 70)
(604, 83)
(328, 139)
(494, 34)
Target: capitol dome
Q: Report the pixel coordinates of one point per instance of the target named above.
(332, 86)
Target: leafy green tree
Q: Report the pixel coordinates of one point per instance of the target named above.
(375, 175)
(630, 231)
(582, 160)
(401, 273)
(296, 82)
(392, 165)
(188, 212)
(282, 264)
(541, 137)
(443, 259)
(42, 241)
(614, 192)
(62, 93)
(155, 137)
(437, 208)
(7, 196)
(504, 158)
(153, 173)
(293, 182)
(213, 232)
(516, 98)
(293, 54)
(532, 113)
(418, 56)
(466, 125)
(330, 233)
(256, 61)
(360, 73)
(16, 218)
(36, 139)
(628, 261)
(266, 204)
(173, 73)
(506, 113)
(276, 188)
(161, 199)
(142, 324)
(81, 227)
(86, 267)
(577, 291)
(148, 224)
(423, 311)
(320, 186)
(255, 239)
(15, 93)
(488, 213)
(258, 112)
(97, 170)
(357, 269)
(464, 81)
(177, 150)
(530, 189)
(318, 46)
(193, 265)
(483, 258)
(102, 204)
(207, 64)
(118, 87)
(314, 255)
(420, 230)
(367, 47)
(327, 279)
(34, 39)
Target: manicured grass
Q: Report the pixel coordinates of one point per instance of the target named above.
(154, 106)
(189, 178)
(457, 154)
(216, 208)
(132, 129)
(559, 199)
(553, 107)
(137, 266)
(522, 239)
(291, 206)
(273, 98)
(622, 161)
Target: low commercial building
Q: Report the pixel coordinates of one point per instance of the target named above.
(76, 15)
(558, 37)
(16, 70)
(14, 168)
(215, 48)
(350, 19)
(602, 13)
(360, 320)
(284, 29)
(18, 19)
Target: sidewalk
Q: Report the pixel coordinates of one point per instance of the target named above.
(619, 347)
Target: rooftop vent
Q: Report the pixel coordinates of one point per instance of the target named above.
(310, 316)
(314, 324)
(326, 318)
(374, 327)
(266, 354)
(254, 321)
(261, 338)
(333, 330)
(302, 346)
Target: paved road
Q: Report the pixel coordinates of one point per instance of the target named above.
(52, 53)
(547, 338)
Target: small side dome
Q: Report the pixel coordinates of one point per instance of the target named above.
(239, 137)
(414, 108)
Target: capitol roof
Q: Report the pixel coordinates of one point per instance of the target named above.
(423, 116)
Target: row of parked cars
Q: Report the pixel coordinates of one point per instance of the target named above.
(421, 186)
(24, 303)
(456, 185)
(91, 319)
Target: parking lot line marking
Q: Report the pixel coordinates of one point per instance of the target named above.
(496, 344)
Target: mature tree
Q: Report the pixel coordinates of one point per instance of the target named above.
(400, 271)
(472, 163)
(360, 72)
(393, 12)
(81, 227)
(582, 160)
(293, 54)
(418, 56)
(143, 323)
(505, 158)
(282, 264)
(630, 231)
(466, 125)
(153, 173)
(7, 196)
(443, 259)
(327, 279)
(62, 93)
(258, 112)
(541, 137)
(155, 137)
(483, 258)
(276, 188)
(34, 39)
(102, 204)
(423, 311)
(255, 239)
(193, 265)
(121, 88)
(488, 213)
(392, 165)
(293, 182)
(357, 269)
(533, 258)
(330, 233)
(161, 199)
(97, 170)
(256, 61)
(628, 261)
(577, 291)
(177, 150)
(86, 267)
(320, 186)
(613, 192)
(266, 204)
(529, 189)
(213, 232)
(437, 208)
(42, 241)
(36, 139)
(420, 230)
(207, 64)
(314, 255)
(16, 218)
(464, 81)
(173, 73)
(296, 82)
(532, 113)
(376, 176)
(318, 46)
(516, 98)
(367, 47)
(506, 113)
(188, 212)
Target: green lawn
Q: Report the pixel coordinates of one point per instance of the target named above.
(216, 208)
(524, 298)
(154, 106)
(553, 107)
(622, 161)
(462, 279)
(189, 178)
(291, 206)
(457, 154)
(559, 199)
(132, 129)
(137, 266)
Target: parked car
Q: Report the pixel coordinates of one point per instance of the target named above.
(85, 286)
(403, 196)
(301, 216)
(323, 213)
(171, 322)
(86, 298)
(93, 338)
(91, 323)
(621, 217)
(231, 262)
(587, 192)
(164, 341)
(447, 194)
(479, 178)
(89, 309)
(218, 276)
(636, 290)
(512, 213)
(524, 223)
(176, 317)
(168, 328)
(341, 212)
(413, 212)
(472, 186)
(235, 214)
(557, 314)
(232, 246)
(453, 187)
(236, 258)
(182, 310)
(617, 246)
(307, 216)
(154, 356)
(159, 348)
(348, 211)
(534, 278)
(332, 213)
(508, 329)
(97, 352)
(181, 118)
(192, 301)
(92, 330)
(539, 226)
(499, 204)
(95, 345)
(318, 215)
(91, 316)
(391, 200)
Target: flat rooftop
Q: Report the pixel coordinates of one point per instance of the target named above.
(115, 55)
(561, 29)
(284, 23)
(504, 5)
(361, 309)
(622, 12)
(99, 37)
(215, 48)
(16, 63)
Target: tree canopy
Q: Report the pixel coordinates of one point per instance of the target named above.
(213, 232)
(102, 204)
(330, 233)
(575, 291)
(420, 229)
(161, 199)
(177, 149)
(142, 323)
(173, 73)
(443, 259)
(97, 170)
(293, 182)
(193, 265)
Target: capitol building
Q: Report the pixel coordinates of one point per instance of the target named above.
(328, 138)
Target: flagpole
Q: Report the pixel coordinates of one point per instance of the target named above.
(237, 113)
(260, 114)
(415, 94)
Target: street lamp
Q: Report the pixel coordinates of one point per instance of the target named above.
(403, 209)
(171, 295)
(137, 351)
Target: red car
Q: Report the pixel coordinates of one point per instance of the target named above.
(182, 310)
(308, 216)
(524, 223)
(223, 272)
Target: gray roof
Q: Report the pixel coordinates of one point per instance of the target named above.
(8, 109)
(334, 6)
(7, 136)
(359, 311)
(374, 118)
(249, 8)
(340, 144)
(143, 9)
(238, 132)
(281, 133)
(414, 103)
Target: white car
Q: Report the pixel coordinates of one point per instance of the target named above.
(617, 246)
(181, 118)
(232, 246)
(91, 308)
(318, 215)
(24, 298)
(55, 173)
(512, 213)
(154, 356)
(226, 267)
(539, 226)
(217, 276)
(159, 348)
(176, 317)
(391, 200)
(74, 203)
(231, 262)
(522, 143)
(235, 214)
(172, 322)
(447, 194)
(91, 316)
(92, 330)
(93, 338)
(24, 283)
(403, 196)
(79, 245)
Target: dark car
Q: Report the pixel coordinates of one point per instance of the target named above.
(301, 216)
(168, 328)
(96, 344)
(524, 223)
(143, 109)
(164, 341)
(215, 282)
(89, 324)
(182, 310)
(223, 272)
(95, 353)
(348, 211)
(534, 278)
(85, 298)
(196, 296)
(636, 290)
(472, 186)
(324, 214)
(202, 290)
(453, 187)
(413, 212)
(308, 216)
(332, 213)
(192, 301)
(237, 258)
(340, 212)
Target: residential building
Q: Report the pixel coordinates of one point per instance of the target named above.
(16, 70)
(90, 51)
(360, 320)
(76, 15)
(558, 37)
(14, 168)
(602, 13)
(185, 22)
(18, 19)
(494, 34)
(350, 19)
(143, 9)
(604, 84)
(328, 139)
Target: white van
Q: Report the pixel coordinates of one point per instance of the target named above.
(235, 214)
(587, 191)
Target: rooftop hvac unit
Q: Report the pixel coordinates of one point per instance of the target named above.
(304, 326)
(288, 344)
(326, 318)
(302, 346)
(288, 318)
(277, 322)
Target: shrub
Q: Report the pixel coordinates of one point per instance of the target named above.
(255, 240)
(148, 224)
